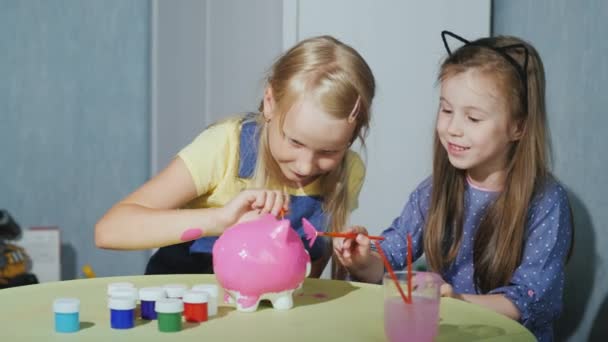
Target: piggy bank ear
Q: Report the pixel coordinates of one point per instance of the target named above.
(280, 232)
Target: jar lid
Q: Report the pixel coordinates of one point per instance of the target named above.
(196, 297)
(169, 305)
(151, 293)
(128, 292)
(113, 286)
(121, 303)
(175, 290)
(66, 305)
(211, 289)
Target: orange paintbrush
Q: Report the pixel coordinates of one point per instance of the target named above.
(311, 233)
(348, 235)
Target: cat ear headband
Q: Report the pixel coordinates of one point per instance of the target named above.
(501, 50)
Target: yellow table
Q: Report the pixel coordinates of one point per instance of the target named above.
(326, 310)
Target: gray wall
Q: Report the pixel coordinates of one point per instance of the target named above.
(571, 38)
(96, 96)
(178, 76)
(210, 59)
(73, 118)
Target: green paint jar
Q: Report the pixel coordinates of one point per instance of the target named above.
(169, 314)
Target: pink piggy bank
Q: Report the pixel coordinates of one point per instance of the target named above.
(260, 259)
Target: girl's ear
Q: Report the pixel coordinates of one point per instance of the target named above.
(517, 130)
(269, 104)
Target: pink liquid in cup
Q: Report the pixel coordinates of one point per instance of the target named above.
(411, 322)
(417, 321)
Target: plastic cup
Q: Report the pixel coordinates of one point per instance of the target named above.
(418, 320)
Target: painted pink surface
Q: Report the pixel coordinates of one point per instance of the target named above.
(191, 234)
(258, 257)
(417, 321)
(320, 296)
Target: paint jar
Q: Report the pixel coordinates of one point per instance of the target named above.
(195, 306)
(175, 290)
(122, 312)
(66, 311)
(114, 286)
(126, 292)
(169, 313)
(212, 291)
(148, 297)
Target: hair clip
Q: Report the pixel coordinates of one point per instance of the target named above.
(353, 114)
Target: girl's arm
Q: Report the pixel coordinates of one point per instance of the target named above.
(535, 291)
(149, 217)
(364, 263)
(495, 302)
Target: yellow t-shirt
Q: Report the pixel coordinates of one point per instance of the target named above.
(213, 161)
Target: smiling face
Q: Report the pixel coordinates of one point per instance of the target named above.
(307, 142)
(474, 125)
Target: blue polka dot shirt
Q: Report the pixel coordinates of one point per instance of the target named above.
(537, 284)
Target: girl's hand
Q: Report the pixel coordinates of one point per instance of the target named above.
(446, 290)
(250, 204)
(353, 253)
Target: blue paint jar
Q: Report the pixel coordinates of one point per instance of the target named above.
(148, 297)
(122, 312)
(67, 318)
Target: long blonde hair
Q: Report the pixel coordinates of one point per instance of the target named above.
(337, 75)
(499, 240)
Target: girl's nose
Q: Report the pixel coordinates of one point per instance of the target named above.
(304, 168)
(454, 126)
(305, 165)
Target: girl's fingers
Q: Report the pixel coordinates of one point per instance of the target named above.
(269, 203)
(265, 201)
(359, 230)
(346, 253)
(356, 229)
(363, 245)
(347, 243)
(279, 200)
(446, 290)
(286, 202)
(352, 243)
(342, 260)
(260, 200)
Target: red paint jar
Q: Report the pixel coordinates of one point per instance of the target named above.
(195, 306)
